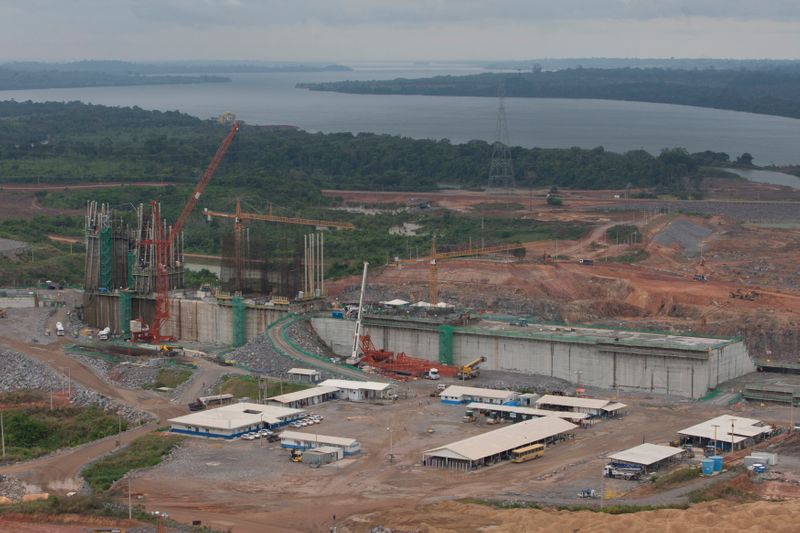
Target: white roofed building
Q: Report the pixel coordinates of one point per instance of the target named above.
(234, 420)
(456, 394)
(360, 391)
(518, 413)
(304, 375)
(305, 398)
(305, 441)
(591, 406)
(648, 457)
(496, 445)
(726, 431)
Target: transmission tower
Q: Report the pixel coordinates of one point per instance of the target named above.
(501, 169)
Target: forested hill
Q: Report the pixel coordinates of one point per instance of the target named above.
(74, 142)
(768, 91)
(13, 79)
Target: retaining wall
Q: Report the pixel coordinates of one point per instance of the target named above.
(689, 373)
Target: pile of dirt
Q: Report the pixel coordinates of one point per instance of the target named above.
(459, 517)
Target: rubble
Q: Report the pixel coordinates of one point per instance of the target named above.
(11, 488)
(18, 372)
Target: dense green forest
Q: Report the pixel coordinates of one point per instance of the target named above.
(17, 79)
(75, 142)
(774, 91)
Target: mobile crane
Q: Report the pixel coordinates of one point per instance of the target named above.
(471, 369)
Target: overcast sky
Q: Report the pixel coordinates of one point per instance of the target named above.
(374, 30)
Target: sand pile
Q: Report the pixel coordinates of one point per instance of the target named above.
(452, 517)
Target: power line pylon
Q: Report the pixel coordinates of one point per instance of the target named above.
(501, 168)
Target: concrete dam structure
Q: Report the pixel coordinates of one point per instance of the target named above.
(659, 363)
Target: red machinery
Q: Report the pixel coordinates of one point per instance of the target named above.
(163, 240)
(399, 365)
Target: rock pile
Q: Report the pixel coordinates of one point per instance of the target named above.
(18, 372)
(11, 488)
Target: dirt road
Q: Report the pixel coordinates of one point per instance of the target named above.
(276, 336)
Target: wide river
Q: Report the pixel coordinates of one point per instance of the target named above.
(543, 122)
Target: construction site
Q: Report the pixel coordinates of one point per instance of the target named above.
(617, 369)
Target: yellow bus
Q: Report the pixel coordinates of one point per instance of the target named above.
(526, 453)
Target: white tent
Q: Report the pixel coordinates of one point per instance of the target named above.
(397, 302)
(422, 304)
(443, 305)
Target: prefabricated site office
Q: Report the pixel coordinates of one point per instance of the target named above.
(496, 445)
(234, 420)
(648, 457)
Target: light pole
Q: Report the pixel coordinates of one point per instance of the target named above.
(391, 456)
(578, 377)
(715, 426)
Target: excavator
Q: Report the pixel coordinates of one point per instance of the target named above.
(296, 456)
(471, 369)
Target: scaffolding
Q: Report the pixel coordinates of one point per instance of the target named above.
(106, 258)
(238, 321)
(124, 313)
(446, 344)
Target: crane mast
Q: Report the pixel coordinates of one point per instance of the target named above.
(353, 359)
(164, 238)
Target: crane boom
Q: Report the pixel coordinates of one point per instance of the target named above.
(203, 183)
(239, 215)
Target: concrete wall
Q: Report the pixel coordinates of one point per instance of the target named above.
(17, 302)
(682, 373)
(190, 320)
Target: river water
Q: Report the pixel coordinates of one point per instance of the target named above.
(545, 122)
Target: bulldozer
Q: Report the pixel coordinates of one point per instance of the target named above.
(296, 456)
(743, 294)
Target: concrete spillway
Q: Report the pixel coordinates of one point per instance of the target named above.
(669, 364)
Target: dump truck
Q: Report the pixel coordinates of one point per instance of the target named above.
(59, 329)
(471, 369)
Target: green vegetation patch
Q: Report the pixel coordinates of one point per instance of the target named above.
(621, 233)
(143, 452)
(634, 256)
(247, 387)
(676, 477)
(33, 431)
(171, 377)
(497, 206)
(610, 509)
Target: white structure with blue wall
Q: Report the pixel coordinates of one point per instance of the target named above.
(456, 394)
(305, 441)
(232, 421)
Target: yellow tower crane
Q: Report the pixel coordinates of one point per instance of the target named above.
(239, 216)
(435, 257)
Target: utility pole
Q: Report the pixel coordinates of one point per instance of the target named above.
(3, 435)
(130, 506)
(715, 426)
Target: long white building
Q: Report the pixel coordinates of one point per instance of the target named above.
(231, 421)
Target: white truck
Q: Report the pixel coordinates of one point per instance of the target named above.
(59, 329)
(104, 334)
(433, 373)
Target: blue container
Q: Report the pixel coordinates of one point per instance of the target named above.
(708, 466)
(717, 463)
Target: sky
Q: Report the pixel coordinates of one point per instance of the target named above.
(396, 30)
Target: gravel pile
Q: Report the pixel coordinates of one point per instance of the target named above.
(304, 336)
(17, 372)
(495, 379)
(259, 355)
(11, 488)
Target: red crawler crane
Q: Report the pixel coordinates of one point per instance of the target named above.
(399, 365)
(163, 242)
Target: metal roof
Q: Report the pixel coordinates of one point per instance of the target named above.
(313, 437)
(503, 439)
(614, 407)
(572, 401)
(527, 410)
(303, 371)
(458, 391)
(742, 429)
(236, 415)
(350, 384)
(646, 454)
(302, 394)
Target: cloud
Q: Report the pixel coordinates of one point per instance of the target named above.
(351, 30)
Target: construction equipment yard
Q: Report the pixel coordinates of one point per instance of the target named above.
(662, 317)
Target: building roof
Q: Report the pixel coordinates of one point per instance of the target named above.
(527, 410)
(616, 406)
(503, 439)
(313, 437)
(397, 302)
(303, 371)
(302, 394)
(236, 415)
(351, 384)
(742, 429)
(573, 401)
(646, 454)
(458, 391)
